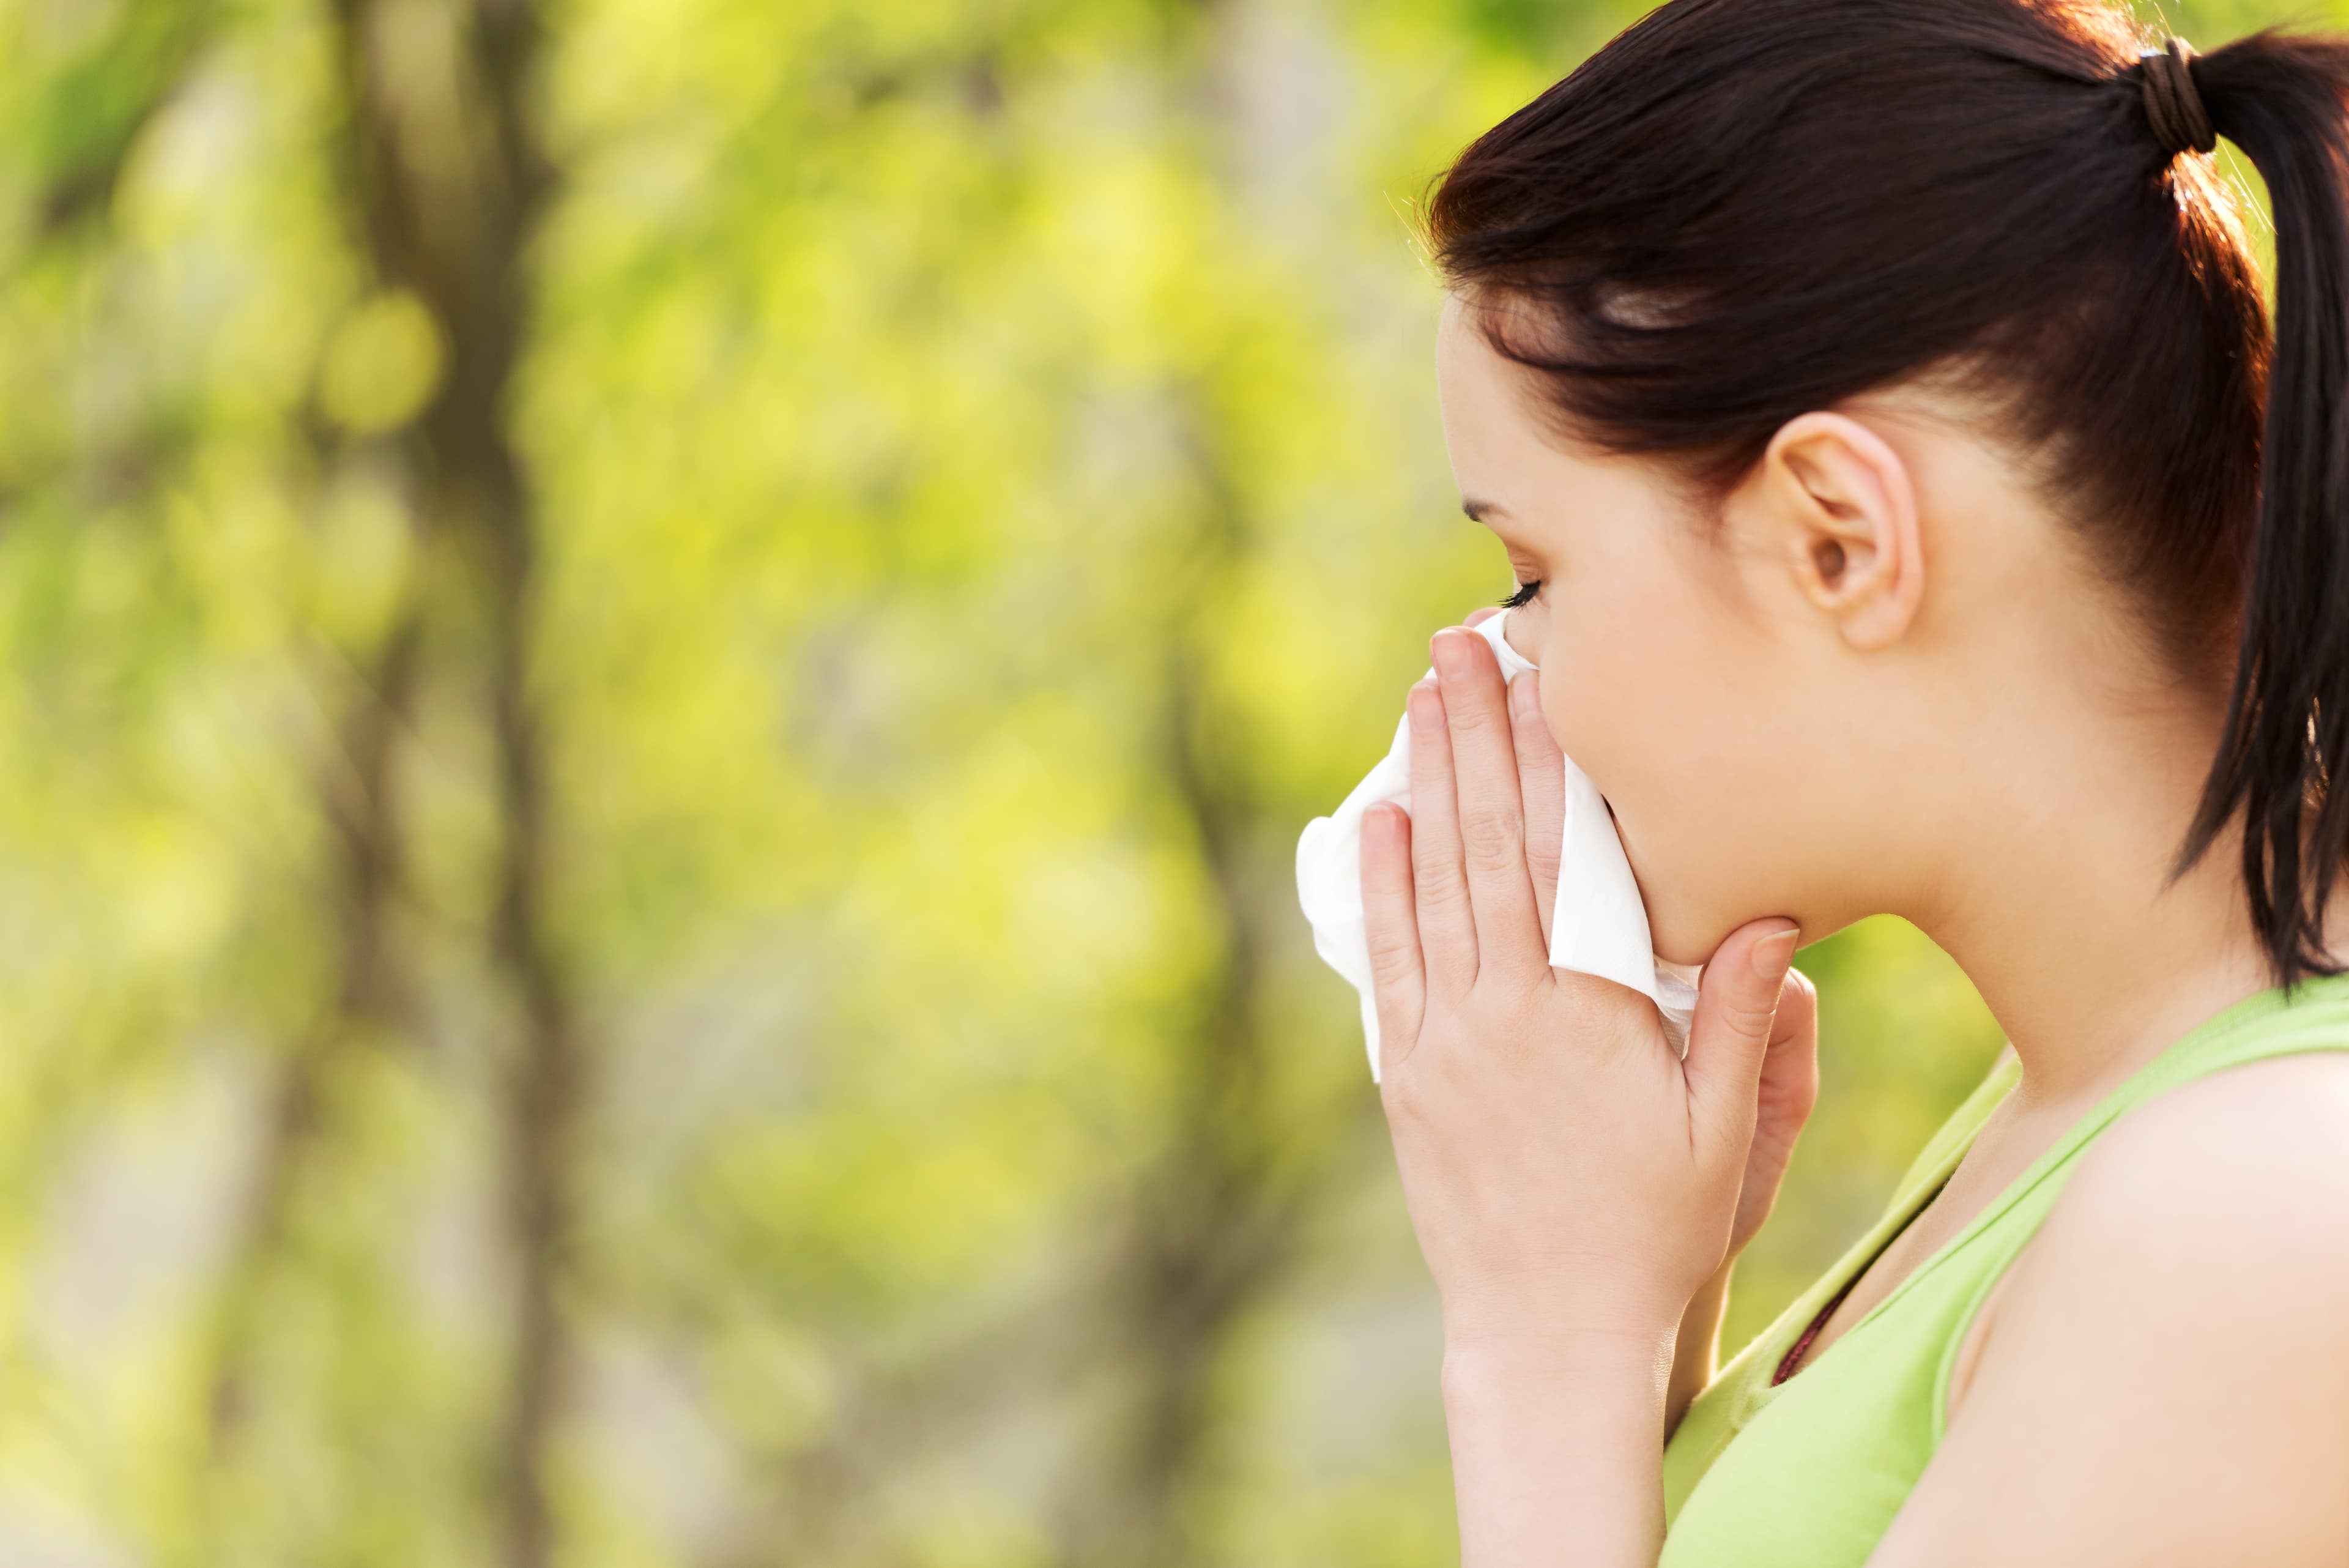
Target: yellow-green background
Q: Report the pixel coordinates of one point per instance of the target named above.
(740, 1003)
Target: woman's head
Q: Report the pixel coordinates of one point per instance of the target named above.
(1872, 388)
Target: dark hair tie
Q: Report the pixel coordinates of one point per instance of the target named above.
(2167, 77)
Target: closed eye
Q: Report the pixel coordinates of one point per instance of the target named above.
(1525, 594)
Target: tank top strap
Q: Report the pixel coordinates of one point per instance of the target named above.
(1931, 1167)
(2314, 1017)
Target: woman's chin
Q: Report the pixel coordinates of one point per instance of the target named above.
(1681, 930)
(1670, 948)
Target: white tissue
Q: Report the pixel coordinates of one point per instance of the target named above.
(1599, 926)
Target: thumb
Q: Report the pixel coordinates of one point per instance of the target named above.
(1736, 1003)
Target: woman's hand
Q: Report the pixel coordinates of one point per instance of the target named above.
(1789, 1086)
(1568, 1176)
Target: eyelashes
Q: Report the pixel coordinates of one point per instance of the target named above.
(1525, 591)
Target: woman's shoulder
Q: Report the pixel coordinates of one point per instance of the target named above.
(2274, 1119)
(2237, 1179)
(2248, 1164)
(2167, 1379)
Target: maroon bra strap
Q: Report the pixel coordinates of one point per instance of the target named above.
(1788, 1363)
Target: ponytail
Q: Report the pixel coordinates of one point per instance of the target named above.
(2283, 99)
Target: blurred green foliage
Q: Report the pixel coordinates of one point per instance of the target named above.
(661, 665)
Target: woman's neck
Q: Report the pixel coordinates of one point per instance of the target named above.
(2059, 914)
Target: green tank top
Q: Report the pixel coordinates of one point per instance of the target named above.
(1808, 1473)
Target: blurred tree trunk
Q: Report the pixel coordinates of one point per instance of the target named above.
(358, 790)
(455, 236)
(1218, 1217)
(145, 56)
(357, 783)
(1212, 1224)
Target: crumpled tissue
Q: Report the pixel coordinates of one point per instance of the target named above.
(1599, 925)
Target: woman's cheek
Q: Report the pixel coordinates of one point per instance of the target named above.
(1581, 691)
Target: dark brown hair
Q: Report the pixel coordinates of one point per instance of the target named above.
(1740, 210)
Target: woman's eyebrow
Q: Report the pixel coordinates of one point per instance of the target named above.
(1476, 510)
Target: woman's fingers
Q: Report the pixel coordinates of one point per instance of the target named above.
(1397, 980)
(1541, 780)
(1447, 927)
(1490, 811)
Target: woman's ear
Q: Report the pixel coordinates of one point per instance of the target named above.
(1837, 499)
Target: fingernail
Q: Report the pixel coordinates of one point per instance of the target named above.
(1451, 651)
(1521, 695)
(1426, 706)
(1774, 952)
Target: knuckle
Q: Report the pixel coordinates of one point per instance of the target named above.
(1752, 1017)
(1392, 955)
(1440, 885)
(1470, 714)
(1401, 1095)
(1493, 836)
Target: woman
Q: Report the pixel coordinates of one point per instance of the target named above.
(1913, 512)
